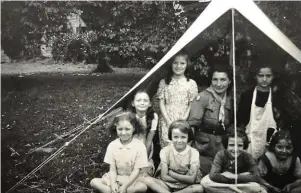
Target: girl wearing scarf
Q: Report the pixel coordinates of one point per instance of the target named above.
(211, 112)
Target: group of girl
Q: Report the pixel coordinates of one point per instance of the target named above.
(198, 148)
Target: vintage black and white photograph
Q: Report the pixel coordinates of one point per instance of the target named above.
(151, 96)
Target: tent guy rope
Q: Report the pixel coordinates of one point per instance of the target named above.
(212, 12)
(96, 120)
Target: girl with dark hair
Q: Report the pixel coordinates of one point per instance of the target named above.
(259, 108)
(175, 94)
(280, 168)
(179, 167)
(148, 120)
(211, 112)
(222, 175)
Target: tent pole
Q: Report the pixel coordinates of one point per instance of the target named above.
(234, 86)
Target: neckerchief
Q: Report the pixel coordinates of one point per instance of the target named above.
(222, 101)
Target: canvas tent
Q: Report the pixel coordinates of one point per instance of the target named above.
(190, 41)
(214, 11)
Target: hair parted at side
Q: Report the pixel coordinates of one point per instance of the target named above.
(240, 133)
(279, 135)
(183, 126)
(170, 72)
(123, 115)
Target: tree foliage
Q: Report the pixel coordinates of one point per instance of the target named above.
(132, 33)
(24, 24)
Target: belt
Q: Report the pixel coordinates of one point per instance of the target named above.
(212, 131)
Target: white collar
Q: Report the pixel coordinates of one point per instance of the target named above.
(127, 146)
(184, 152)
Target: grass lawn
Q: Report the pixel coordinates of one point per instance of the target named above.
(37, 107)
(40, 103)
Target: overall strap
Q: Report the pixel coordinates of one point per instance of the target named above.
(293, 164)
(266, 162)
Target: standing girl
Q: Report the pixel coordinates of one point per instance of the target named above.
(258, 109)
(148, 121)
(175, 93)
(126, 156)
(179, 163)
(279, 167)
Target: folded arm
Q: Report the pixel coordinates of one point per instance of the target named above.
(188, 178)
(164, 174)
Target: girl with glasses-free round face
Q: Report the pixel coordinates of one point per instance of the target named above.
(179, 66)
(283, 149)
(141, 102)
(180, 134)
(239, 146)
(179, 139)
(125, 130)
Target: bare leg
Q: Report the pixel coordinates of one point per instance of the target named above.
(196, 188)
(137, 187)
(156, 185)
(99, 185)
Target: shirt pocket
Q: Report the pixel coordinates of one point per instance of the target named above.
(212, 110)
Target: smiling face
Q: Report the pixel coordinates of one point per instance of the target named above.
(220, 82)
(141, 102)
(125, 131)
(283, 149)
(231, 146)
(179, 65)
(264, 79)
(179, 139)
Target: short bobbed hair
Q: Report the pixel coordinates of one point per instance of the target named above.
(183, 126)
(240, 133)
